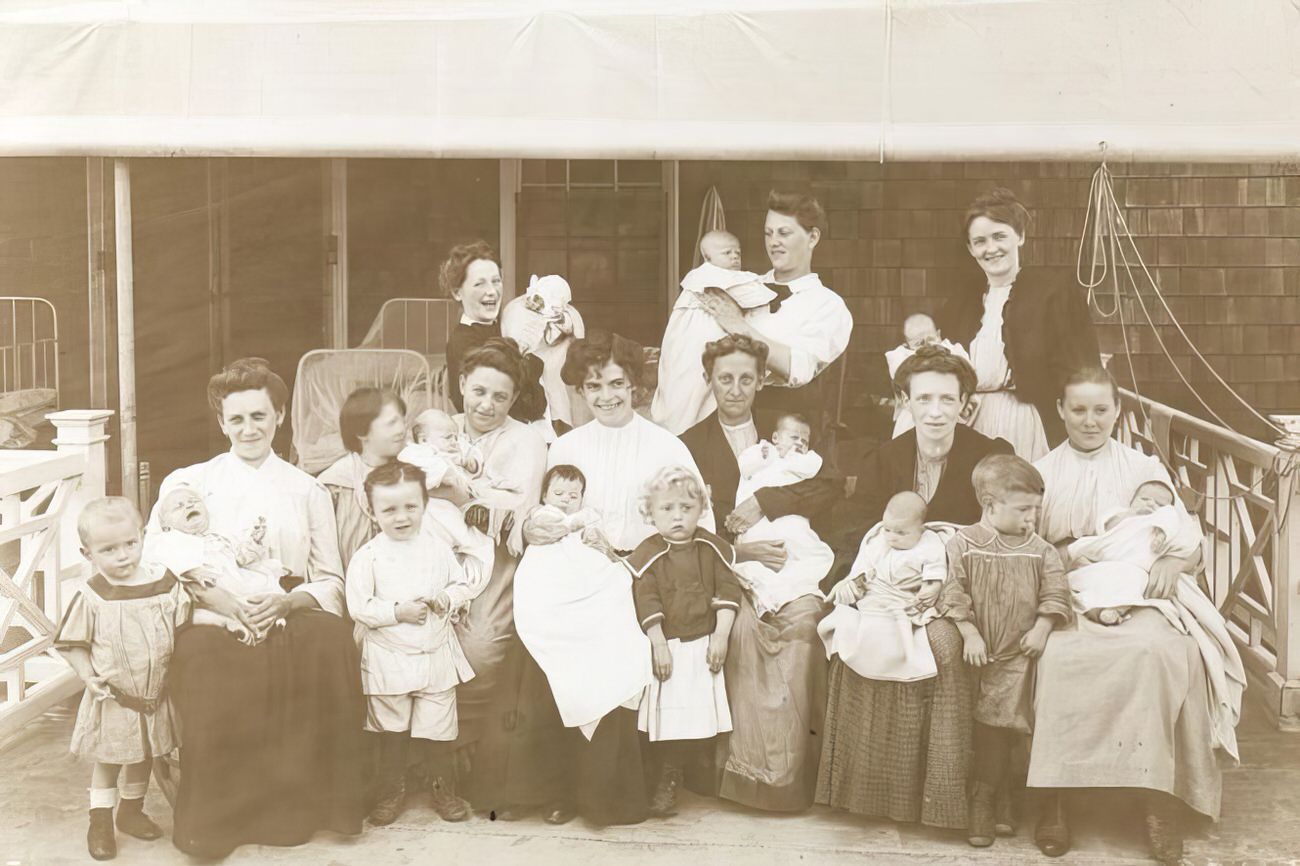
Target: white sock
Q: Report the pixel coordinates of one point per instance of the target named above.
(134, 790)
(102, 798)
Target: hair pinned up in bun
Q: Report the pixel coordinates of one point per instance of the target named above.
(1001, 206)
(247, 374)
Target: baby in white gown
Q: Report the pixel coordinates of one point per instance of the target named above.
(877, 627)
(446, 457)
(1109, 571)
(683, 398)
(187, 547)
(783, 461)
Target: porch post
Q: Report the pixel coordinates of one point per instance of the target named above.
(97, 290)
(336, 253)
(125, 327)
(83, 432)
(507, 197)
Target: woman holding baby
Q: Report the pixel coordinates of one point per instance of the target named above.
(272, 732)
(806, 326)
(1024, 335)
(567, 756)
(775, 668)
(492, 377)
(1122, 706)
(901, 750)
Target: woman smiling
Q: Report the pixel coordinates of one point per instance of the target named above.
(1024, 336)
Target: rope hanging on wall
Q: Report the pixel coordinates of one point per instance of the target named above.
(1115, 268)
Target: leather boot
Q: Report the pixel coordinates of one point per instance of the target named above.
(1053, 832)
(132, 820)
(100, 839)
(981, 831)
(1004, 822)
(448, 806)
(664, 802)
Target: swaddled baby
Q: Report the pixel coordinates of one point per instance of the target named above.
(682, 398)
(543, 321)
(242, 567)
(878, 625)
(783, 461)
(1109, 571)
(573, 607)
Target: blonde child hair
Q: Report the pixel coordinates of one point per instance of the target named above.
(107, 509)
(997, 475)
(671, 478)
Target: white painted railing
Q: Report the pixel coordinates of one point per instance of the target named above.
(1247, 496)
(41, 493)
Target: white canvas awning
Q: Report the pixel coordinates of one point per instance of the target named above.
(763, 79)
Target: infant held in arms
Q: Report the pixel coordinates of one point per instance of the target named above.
(188, 548)
(878, 625)
(783, 461)
(1109, 571)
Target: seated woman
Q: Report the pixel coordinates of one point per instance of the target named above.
(1120, 706)
(616, 453)
(901, 750)
(775, 670)
(272, 732)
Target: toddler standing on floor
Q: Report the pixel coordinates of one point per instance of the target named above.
(118, 634)
(401, 588)
(686, 597)
(1006, 591)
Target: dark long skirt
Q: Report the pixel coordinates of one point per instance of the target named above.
(776, 685)
(534, 761)
(272, 746)
(901, 750)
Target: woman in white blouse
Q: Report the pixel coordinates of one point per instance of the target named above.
(272, 732)
(806, 328)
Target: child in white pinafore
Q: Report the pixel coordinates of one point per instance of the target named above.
(118, 634)
(686, 597)
(401, 588)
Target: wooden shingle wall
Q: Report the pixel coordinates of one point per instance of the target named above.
(1222, 240)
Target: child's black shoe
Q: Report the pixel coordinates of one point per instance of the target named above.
(132, 820)
(664, 802)
(100, 840)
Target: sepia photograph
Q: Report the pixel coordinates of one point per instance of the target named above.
(649, 432)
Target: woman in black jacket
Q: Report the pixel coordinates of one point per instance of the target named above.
(1024, 336)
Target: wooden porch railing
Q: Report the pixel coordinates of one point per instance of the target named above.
(41, 493)
(1246, 493)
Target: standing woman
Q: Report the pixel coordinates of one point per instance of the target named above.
(273, 731)
(514, 456)
(805, 328)
(372, 424)
(471, 276)
(1024, 335)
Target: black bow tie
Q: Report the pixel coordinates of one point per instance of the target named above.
(782, 293)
